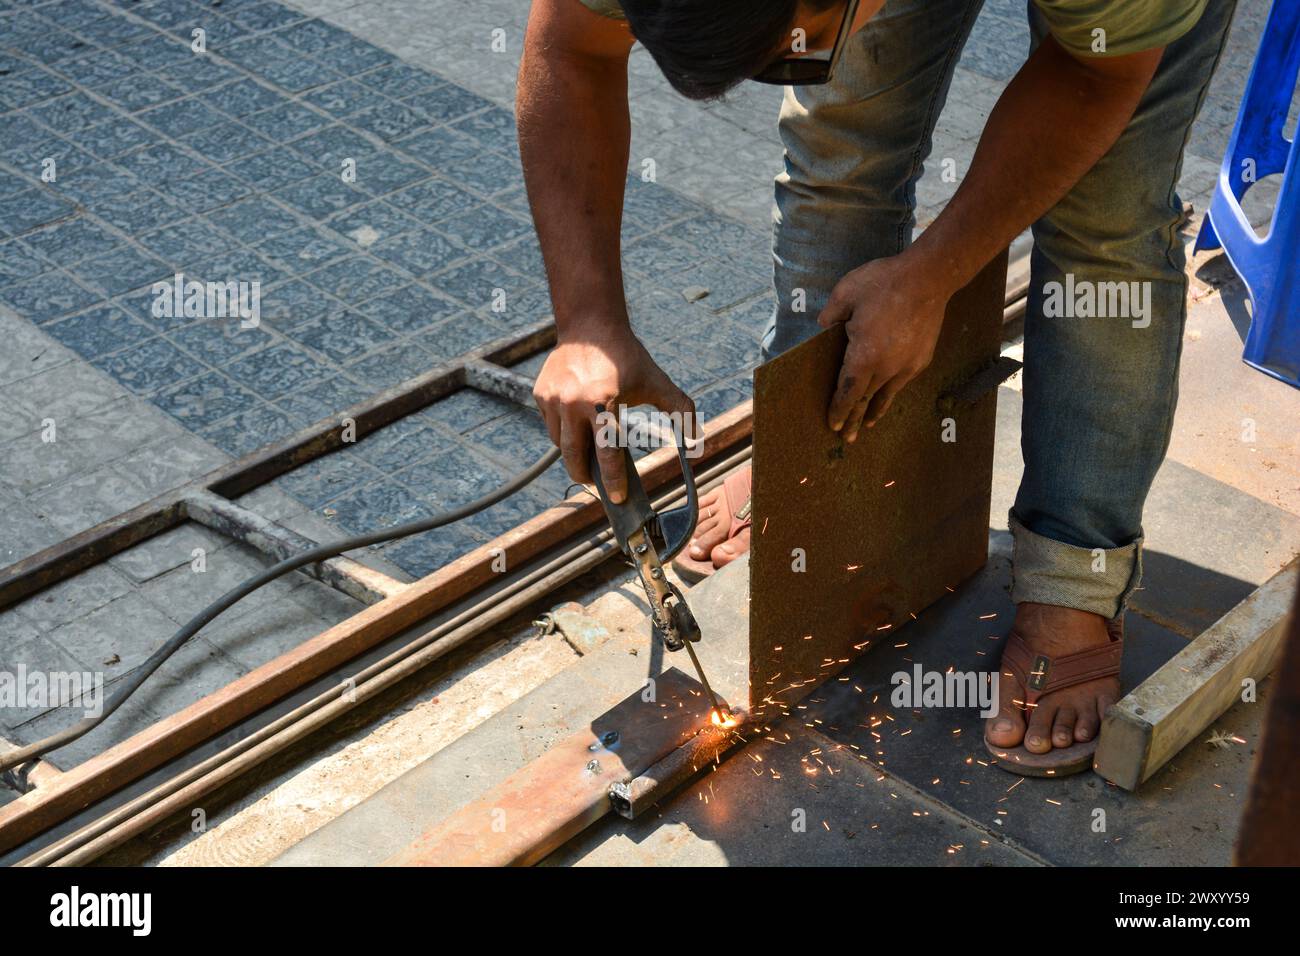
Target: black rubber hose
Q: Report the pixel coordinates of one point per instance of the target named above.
(137, 677)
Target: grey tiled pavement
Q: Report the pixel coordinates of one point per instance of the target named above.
(226, 165)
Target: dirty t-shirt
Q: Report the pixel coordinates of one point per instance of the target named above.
(606, 8)
(1127, 26)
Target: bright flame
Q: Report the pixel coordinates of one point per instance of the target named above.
(725, 721)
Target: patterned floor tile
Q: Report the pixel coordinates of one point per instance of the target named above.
(99, 331)
(156, 364)
(341, 336)
(275, 371)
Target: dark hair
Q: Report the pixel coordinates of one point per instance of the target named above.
(705, 47)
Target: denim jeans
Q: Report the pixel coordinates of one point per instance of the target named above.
(1099, 393)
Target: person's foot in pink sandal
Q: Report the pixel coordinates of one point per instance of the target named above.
(722, 531)
(1059, 673)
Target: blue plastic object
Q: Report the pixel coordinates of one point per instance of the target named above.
(1270, 267)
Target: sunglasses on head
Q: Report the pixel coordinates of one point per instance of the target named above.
(810, 70)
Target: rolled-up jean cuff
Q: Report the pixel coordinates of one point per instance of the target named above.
(1045, 571)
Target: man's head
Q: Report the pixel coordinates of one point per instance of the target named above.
(705, 47)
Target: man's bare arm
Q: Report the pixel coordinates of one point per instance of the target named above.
(574, 134)
(1056, 119)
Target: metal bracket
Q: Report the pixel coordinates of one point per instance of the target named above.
(986, 380)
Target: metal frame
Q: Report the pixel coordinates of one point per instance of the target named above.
(195, 500)
(180, 791)
(127, 761)
(480, 368)
(207, 500)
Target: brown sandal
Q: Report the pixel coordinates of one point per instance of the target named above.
(735, 498)
(1040, 675)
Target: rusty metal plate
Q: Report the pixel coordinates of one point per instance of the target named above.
(851, 541)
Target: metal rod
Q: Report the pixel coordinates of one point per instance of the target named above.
(505, 382)
(555, 796)
(713, 699)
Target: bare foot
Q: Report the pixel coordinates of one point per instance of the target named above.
(711, 541)
(1064, 717)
